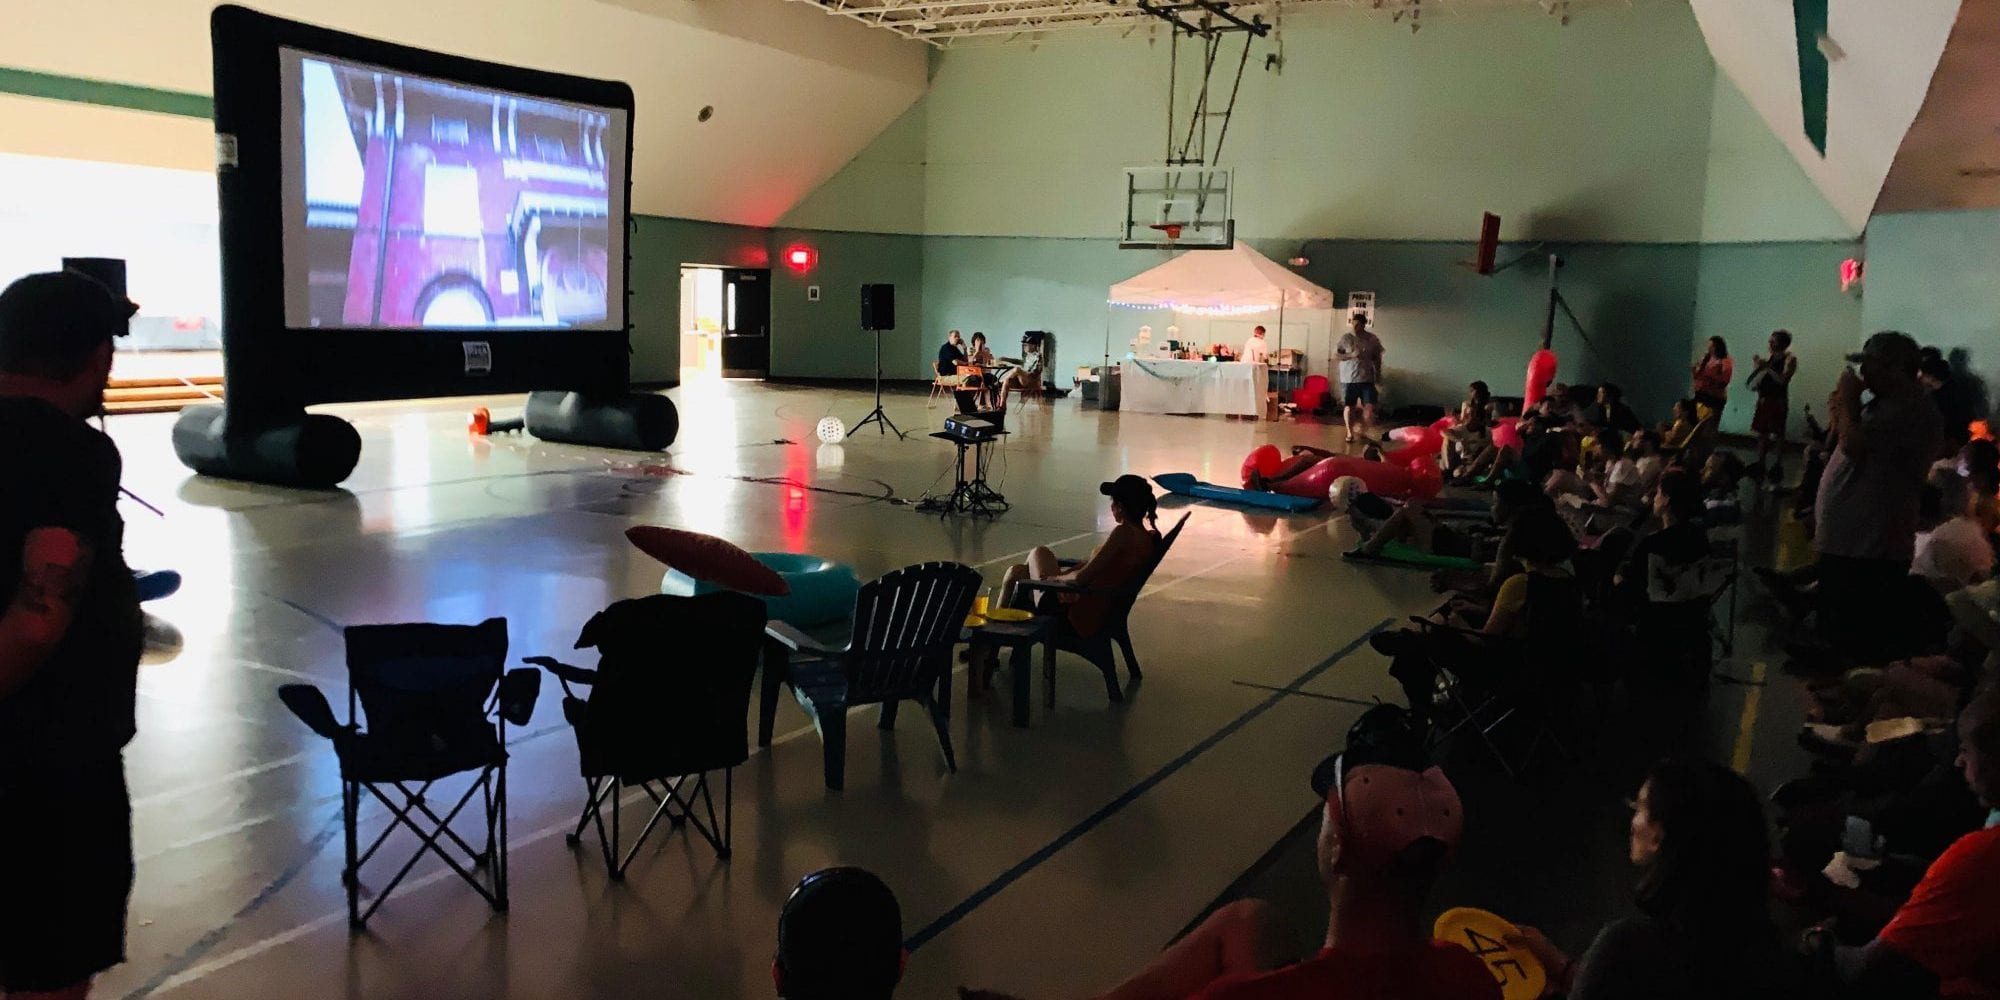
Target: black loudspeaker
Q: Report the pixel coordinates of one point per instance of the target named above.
(878, 307)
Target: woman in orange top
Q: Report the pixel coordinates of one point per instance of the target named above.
(1712, 375)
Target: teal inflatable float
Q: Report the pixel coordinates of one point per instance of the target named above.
(1183, 484)
(822, 590)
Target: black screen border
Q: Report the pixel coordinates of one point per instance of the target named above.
(272, 367)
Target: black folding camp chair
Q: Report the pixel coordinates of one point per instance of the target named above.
(437, 700)
(1514, 702)
(1097, 647)
(669, 703)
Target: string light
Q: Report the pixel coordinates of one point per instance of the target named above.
(1194, 310)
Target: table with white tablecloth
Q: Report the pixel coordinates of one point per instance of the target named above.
(1167, 385)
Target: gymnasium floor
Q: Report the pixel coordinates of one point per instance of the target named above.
(1057, 859)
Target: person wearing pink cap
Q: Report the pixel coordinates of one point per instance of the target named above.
(1391, 820)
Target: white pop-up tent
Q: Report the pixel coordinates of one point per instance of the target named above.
(1238, 281)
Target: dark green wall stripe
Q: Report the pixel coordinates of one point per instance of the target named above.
(54, 87)
(1809, 17)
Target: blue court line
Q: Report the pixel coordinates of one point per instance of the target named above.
(1031, 862)
(309, 613)
(207, 942)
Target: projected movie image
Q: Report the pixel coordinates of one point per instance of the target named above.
(433, 204)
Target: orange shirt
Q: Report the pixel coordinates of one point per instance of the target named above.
(1951, 924)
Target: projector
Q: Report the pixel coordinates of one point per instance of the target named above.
(971, 427)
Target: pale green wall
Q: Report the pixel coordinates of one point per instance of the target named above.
(1596, 131)
(659, 248)
(824, 339)
(1932, 275)
(808, 339)
(1615, 131)
(1756, 191)
(1747, 290)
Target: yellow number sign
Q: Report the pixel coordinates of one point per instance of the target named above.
(1519, 974)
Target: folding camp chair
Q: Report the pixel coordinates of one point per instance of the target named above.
(1117, 622)
(1526, 680)
(437, 699)
(669, 704)
(1677, 629)
(905, 626)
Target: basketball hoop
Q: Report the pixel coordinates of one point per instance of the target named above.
(1172, 229)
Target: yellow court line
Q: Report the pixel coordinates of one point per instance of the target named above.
(1746, 727)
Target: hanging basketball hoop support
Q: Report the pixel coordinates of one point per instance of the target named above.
(1209, 21)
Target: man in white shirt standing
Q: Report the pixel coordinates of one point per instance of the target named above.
(1360, 355)
(1255, 350)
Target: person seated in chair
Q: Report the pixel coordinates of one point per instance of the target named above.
(1125, 554)
(1945, 939)
(950, 355)
(1596, 455)
(1677, 539)
(840, 937)
(1390, 824)
(1026, 373)
(1540, 601)
(977, 377)
(1471, 434)
(1954, 550)
(1609, 411)
(1420, 528)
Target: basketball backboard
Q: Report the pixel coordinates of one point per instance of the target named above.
(1177, 208)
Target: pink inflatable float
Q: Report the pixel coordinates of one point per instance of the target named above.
(1418, 479)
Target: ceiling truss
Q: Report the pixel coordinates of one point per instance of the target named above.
(949, 22)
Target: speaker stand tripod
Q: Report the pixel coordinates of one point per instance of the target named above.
(876, 416)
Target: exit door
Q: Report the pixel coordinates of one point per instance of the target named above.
(746, 323)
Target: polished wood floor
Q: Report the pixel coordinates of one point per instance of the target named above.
(1058, 858)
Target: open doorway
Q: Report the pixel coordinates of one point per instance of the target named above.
(725, 323)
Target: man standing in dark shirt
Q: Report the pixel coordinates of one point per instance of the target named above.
(1869, 496)
(70, 637)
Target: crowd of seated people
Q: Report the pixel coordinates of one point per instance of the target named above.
(979, 379)
(1887, 852)
(1707, 906)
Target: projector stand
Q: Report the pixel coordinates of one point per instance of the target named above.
(876, 416)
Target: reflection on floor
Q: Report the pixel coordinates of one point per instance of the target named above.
(1056, 859)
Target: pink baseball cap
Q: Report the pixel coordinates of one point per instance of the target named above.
(1392, 805)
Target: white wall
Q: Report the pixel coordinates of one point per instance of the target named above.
(796, 93)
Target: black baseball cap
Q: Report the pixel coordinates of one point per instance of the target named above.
(1130, 490)
(1891, 347)
(840, 934)
(57, 317)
